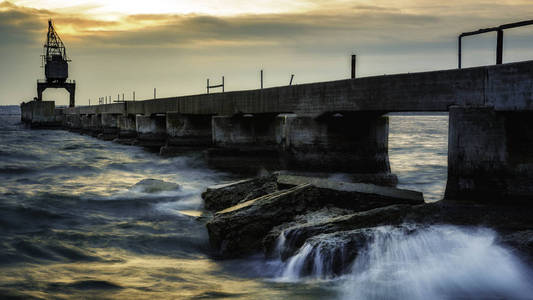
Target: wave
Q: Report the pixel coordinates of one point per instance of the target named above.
(435, 262)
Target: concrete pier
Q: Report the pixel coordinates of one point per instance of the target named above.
(127, 126)
(247, 143)
(73, 122)
(109, 127)
(356, 142)
(489, 155)
(186, 133)
(151, 130)
(41, 114)
(95, 124)
(338, 126)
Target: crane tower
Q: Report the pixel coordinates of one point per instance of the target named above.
(55, 63)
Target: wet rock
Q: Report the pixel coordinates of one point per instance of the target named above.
(504, 219)
(296, 233)
(239, 230)
(327, 255)
(522, 241)
(223, 196)
(155, 186)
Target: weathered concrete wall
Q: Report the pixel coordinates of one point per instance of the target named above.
(41, 114)
(489, 157)
(188, 130)
(127, 126)
(151, 130)
(114, 108)
(249, 130)
(355, 143)
(95, 122)
(85, 121)
(507, 87)
(109, 120)
(72, 121)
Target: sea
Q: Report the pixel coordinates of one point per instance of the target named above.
(82, 218)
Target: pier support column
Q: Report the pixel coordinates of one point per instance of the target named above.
(186, 132)
(151, 130)
(95, 126)
(355, 143)
(489, 155)
(246, 143)
(127, 127)
(73, 122)
(40, 114)
(85, 121)
(109, 127)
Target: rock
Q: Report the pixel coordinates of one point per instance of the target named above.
(223, 196)
(239, 230)
(521, 241)
(361, 196)
(328, 255)
(155, 186)
(296, 233)
(504, 219)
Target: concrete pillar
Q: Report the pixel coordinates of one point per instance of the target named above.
(489, 155)
(151, 130)
(127, 126)
(245, 143)
(73, 122)
(40, 114)
(95, 126)
(85, 121)
(109, 127)
(354, 143)
(250, 131)
(188, 130)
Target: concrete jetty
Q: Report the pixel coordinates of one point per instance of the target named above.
(339, 125)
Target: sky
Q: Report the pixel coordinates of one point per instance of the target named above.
(118, 47)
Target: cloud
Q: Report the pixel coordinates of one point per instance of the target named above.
(367, 26)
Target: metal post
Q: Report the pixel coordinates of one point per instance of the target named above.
(459, 51)
(499, 48)
(154, 93)
(122, 97)
(208, 85)
(105, 100)
(261, 79)
(292, 76)
(133, 95)
(118, 97)
(353, 66)
(89, 102)
(222, 84)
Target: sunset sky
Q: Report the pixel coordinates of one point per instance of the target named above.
(124, 46)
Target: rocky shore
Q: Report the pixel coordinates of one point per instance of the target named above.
(279, 214)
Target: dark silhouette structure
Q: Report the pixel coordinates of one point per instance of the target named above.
(55, 63)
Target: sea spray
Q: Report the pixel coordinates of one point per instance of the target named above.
(437, 262)
(412, 262)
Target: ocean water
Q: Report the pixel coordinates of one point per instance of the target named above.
(84, 218)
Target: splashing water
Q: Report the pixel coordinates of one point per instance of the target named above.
(436, 262)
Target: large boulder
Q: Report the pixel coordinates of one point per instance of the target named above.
(512, 223)
(239, 230)
(223, 196)
(295, 234)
